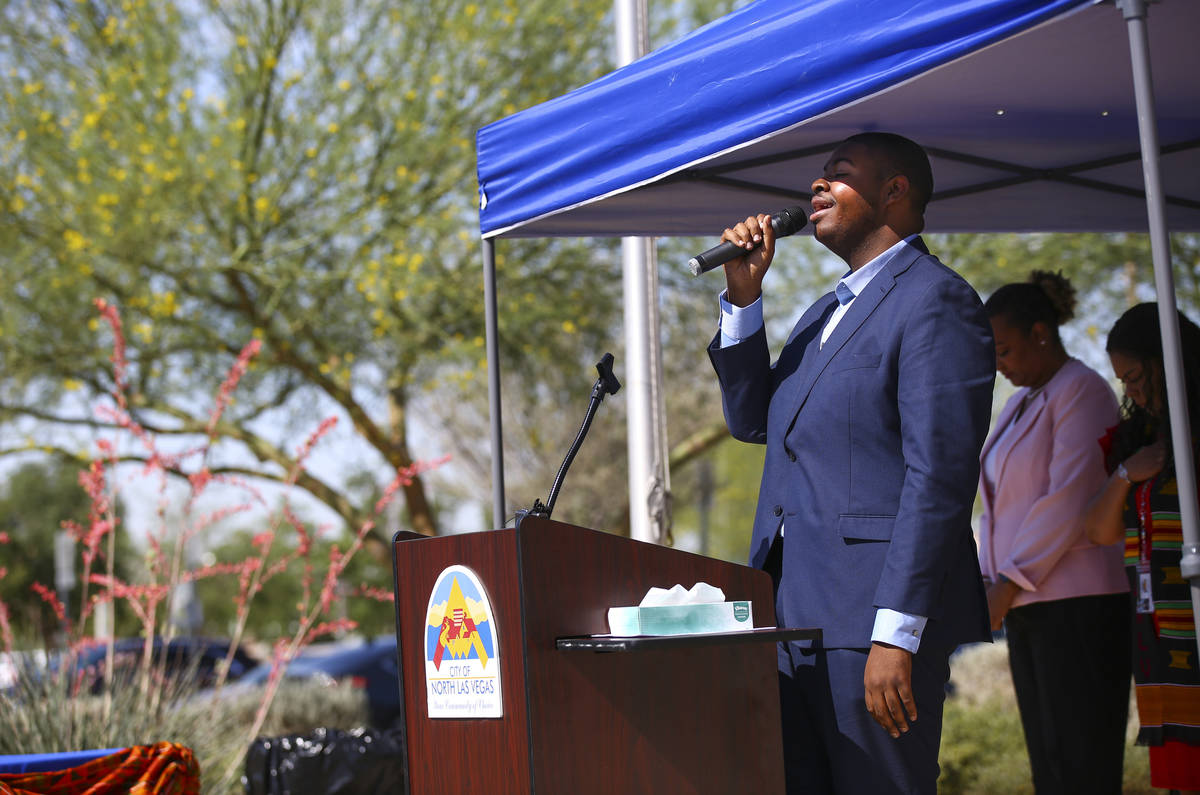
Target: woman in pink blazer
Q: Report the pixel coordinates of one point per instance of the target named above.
(1061, 599)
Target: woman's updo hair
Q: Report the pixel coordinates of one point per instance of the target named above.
(1046, 298)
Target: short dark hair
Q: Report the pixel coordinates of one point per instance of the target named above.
(906, 157)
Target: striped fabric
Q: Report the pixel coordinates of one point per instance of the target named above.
(1169, 705)
(1173, 619)
(1165, 666)
(159, 769)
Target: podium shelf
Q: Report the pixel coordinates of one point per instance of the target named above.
(615, 643)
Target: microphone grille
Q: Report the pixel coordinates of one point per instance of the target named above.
(790, 220)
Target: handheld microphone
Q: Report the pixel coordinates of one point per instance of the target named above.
(787, 221)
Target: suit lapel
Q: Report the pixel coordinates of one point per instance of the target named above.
(798, 359)
(859, 311)
(818, 357)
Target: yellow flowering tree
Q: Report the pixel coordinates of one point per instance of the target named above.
(297, 171)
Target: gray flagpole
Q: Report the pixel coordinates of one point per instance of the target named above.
(649, 478)
(1164, 283)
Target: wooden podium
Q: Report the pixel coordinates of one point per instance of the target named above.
(684, 714)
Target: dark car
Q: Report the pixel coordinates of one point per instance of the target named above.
(192, 658)
(369, 665)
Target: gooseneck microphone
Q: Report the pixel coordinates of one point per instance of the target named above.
(787, 221)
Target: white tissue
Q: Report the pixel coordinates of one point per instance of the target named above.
(699, 594)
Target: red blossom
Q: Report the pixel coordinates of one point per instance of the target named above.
(371, 592)
(91, 542)
(231, 381)
(109, 313)
(216, 517)
(249, 566)
(215, 570)
(3, 537)
(305, 539)
(131, 593)
(322, 429)
(51, 598)
(5, 629)
(93, 481)
(330, 628)
(336, 563)
(279, 659)
(404, 477)
(199, 480)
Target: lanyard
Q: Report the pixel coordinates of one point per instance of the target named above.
(1144, 601)
(1145, 519)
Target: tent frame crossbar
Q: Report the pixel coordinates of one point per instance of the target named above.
(1021, 174)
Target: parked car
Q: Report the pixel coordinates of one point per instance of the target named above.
(184, 656)
(369, 665)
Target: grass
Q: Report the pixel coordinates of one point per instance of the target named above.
(41, 718)
(983, 748)
(983, 745)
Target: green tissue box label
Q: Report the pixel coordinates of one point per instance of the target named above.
(681, 619)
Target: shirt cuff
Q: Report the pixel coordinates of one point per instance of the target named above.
(898, 629)
(739, 322)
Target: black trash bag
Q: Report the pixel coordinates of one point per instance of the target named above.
(327, 762)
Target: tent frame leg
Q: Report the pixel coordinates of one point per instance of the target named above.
(492, 341)
(1164, 282)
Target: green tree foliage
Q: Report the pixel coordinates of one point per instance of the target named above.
(35, 499)
(1110, 272)
(358, 595)
(296, 172)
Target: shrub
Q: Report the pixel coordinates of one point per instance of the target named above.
(51, 711)
(983, 744)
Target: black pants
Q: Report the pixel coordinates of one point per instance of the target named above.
(1070, 661)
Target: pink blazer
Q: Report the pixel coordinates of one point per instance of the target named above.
(1047, 468)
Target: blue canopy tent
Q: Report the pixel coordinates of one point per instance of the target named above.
(1038, 116)
(1027, 107)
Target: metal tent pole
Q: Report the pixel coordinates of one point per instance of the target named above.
(649, 489)
(1164, 282)
(492, 339)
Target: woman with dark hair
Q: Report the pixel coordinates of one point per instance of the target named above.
(1139, 504)
(1061, 598)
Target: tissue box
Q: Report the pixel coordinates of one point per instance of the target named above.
(681, 619)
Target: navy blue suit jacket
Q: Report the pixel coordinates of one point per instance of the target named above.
(872, 453)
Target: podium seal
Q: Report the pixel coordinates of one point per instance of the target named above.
(462, 652)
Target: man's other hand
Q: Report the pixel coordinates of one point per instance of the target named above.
(888, 682)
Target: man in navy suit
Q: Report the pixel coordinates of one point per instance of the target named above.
(873, 417)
